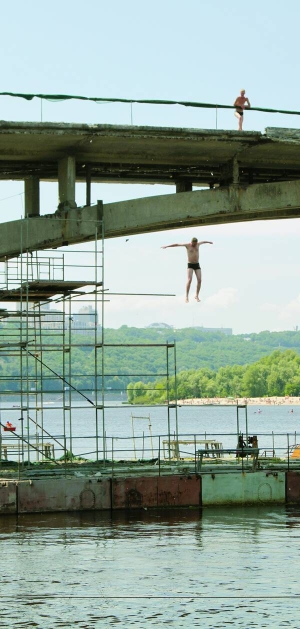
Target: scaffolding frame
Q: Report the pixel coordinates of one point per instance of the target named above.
(43, 340)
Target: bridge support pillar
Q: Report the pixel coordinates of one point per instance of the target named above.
(184, 186)
(230, 174)
(32, 196)
(235, 171)
(88, 184)
(66, 183)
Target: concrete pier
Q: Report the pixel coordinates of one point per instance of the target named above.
(142, 492)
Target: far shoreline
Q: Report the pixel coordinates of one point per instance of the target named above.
(254, 401)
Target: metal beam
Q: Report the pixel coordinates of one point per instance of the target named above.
(205, 207)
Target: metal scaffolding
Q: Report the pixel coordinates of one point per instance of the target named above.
(53, 372)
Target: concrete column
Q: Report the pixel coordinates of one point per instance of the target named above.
(32, 196)
(100, 210)
(235, 171)
(66, 183)
(230, 173)
(88, 184)
(184, 186)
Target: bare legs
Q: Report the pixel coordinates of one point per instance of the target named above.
(240, 119)
(188, 284)
(199, 279)
(189, 281)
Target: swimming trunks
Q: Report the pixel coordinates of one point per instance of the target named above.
(239, 111)
(195, 266)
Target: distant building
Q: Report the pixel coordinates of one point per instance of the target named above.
(53, 320)
(227, 331)
(165, 326)
(85, 320)
(45, 317)
(159, 325)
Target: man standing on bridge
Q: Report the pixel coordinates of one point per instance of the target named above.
(241, 103)
(192, 249)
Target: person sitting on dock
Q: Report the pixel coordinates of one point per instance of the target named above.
(241, 103)
(192, 249)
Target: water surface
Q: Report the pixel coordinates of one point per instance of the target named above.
(276, 426)
(185, 568)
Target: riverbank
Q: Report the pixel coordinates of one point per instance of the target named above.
(255, 401)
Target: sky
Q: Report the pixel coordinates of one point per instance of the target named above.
(197, 50)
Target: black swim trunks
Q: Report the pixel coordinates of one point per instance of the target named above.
(194, 265)
(239, 111)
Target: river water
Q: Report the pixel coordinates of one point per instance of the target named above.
(210, 568)
(220, 567)
(129, 435)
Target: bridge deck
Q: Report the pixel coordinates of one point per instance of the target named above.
(148, 154)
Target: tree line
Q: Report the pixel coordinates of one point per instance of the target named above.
(275, 375)
(137, 355)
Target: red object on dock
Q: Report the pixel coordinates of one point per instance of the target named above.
(9, 427)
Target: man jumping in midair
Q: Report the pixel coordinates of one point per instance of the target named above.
(192, 249)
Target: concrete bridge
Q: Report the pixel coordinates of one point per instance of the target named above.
(243, 177)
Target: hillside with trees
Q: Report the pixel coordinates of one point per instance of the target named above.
(132, 356)
(275, 375)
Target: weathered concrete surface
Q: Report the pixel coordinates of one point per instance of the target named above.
(243, 488)
(8, 497)
(293, 487)
(61, 229)
(156, 491)
(115, 153)
(66, 182)
(90, 494)
(137, 216)
(134, 493)
(204, 207)
(252, 176)
(64, 494)
(179, 491)
(32, 196)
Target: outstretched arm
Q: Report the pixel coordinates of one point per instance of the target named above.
(176, 245)
(205, 242)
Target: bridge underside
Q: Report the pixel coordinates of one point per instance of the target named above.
(110, 153)
(250, 176)
(138, 216)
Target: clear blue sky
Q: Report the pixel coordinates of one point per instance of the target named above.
(194, 50)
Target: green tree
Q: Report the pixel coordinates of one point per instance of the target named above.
(130, 393)
(254, 383)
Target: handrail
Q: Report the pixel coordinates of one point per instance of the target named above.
(183, 103)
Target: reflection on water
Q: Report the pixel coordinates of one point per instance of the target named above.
(185, 568)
